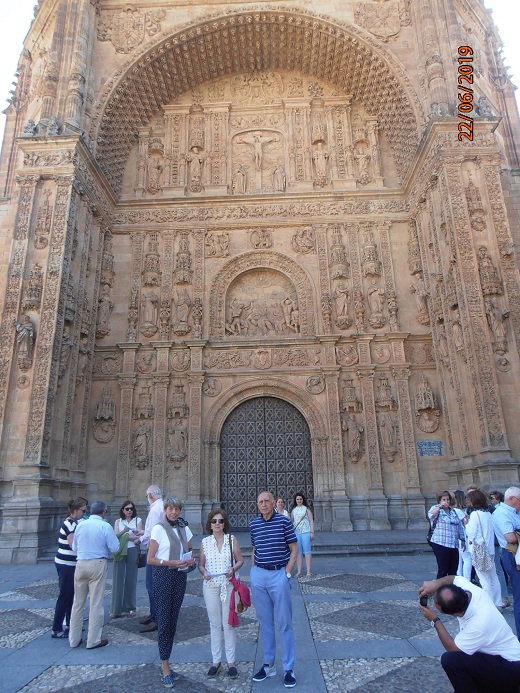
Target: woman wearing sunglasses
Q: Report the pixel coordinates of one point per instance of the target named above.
(220, 558)
(128, 528)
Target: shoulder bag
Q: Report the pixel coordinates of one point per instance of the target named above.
(482, 559)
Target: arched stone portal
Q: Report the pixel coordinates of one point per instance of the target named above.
(265, 443)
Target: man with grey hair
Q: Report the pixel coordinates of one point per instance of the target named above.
(94, 540)
(155, 514)
(506, 521)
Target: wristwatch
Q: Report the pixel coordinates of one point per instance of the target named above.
(288, 575)
(435, 621)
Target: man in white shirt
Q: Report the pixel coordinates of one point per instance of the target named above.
(155, 514)
(506, 521)
(485, 655)
(94, 540)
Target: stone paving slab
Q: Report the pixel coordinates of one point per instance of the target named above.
(357, 625)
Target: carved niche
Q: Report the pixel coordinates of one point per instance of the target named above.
(33, 292)
(25, 339)
(283, 306)
(426, 412)
(262, 302)
(104, 425)
(258, 157)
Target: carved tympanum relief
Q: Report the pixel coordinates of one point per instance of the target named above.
(262, 302)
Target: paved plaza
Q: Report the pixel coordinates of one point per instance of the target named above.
(357, 626)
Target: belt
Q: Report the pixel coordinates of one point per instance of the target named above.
(271, 567)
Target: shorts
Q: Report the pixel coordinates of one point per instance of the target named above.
(304, 543)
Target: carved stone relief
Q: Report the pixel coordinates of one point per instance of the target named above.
(149, 314)
(105, 307)
(33, 293)
(217, 244)
(261, 238)
(152, 262)
(346, 355)
(144, 408)
(375, 299)
(476, 209)
(128, 28)
(141, 445)
(383, 19)
(341, 298)
(304, 240)
(421, 296)
(262, 302)
(146, 362)
(25, 339)
(183, 303)
(355, 437)
(211, 387)
(180, 360)
(388, 428)
(315, 384)
(489, 278)
(257, 155)
(104, 424)
(426, 411)
(496, 318)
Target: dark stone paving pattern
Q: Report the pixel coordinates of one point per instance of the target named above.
(43, 591)
(423, 674)
(18, 620)
(383, 618)
(356, 583)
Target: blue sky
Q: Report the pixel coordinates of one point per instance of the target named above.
(16, 15)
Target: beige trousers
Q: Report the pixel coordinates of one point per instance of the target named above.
(89, 579)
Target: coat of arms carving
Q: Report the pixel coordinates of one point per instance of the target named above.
(127, 29)
(381, 18)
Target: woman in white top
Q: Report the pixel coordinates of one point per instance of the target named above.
(170, 544)
(303, 521)
(280, 507)
(480, 529)
(220, 558)
(124, 578)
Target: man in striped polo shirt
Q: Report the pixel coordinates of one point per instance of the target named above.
(274, 554)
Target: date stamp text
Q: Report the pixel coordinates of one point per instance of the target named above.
(465, 93)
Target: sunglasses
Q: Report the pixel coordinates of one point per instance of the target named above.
(217, 522)
(127, 508)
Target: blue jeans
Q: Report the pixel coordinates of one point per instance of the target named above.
(149, 589)
(271, 591)
(508, 561)
(500, 571)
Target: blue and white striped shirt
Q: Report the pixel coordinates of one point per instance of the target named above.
(271, 539)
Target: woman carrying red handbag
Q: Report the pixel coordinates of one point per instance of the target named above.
(220, 558)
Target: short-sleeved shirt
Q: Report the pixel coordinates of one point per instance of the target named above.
(505, 520)
(271, 539)
(483, 628)
(159, 535)
(448, 528)
(65, 555)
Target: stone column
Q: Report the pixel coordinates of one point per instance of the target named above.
(377, 501)
(127, 382)
(414, 498)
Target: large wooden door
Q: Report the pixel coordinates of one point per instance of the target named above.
(265, 445)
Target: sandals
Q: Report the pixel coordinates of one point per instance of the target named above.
(61, 634)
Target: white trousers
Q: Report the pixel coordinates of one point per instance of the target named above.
(218, 613)
(490, 584)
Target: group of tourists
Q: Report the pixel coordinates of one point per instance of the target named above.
(280, 539)
(476, 532)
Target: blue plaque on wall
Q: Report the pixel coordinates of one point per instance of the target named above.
(429, 448)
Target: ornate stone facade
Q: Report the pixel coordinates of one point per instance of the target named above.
(253, 250)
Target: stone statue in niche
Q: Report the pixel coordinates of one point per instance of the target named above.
(304, 240)
(384, 398)
(104, 426)
(388, 433)
(421, 302)
(195, 160)
(426, 412)
(354, 431)
(217, 244)
(457, 330)
(182, 309)
(66, 346)
(279, 178)
(496, 318)
(239, 182)
(291, 314)
(149, 314)
(341, 302)
(443, 346)
(141, 443)
(375, 297)
(489, 279)
(178, 441)
(261, 238)
(25, 340)
(105, 307)
(155, 170)
(320, 158)
(362, 159)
